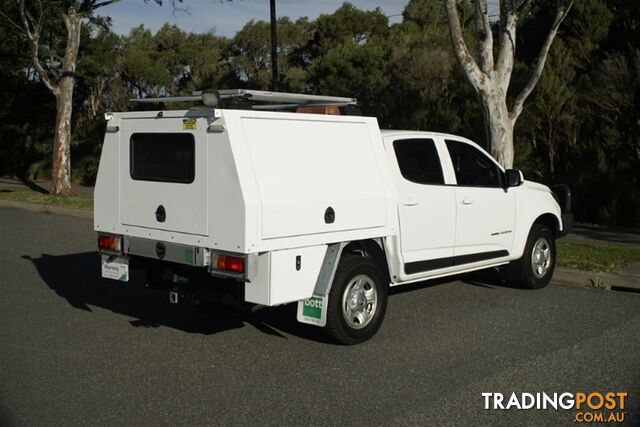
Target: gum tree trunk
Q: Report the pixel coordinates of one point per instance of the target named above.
(498, 129)
(61, 84)
(61, 171)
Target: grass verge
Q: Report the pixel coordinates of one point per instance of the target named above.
(77, 202)
(595, 258)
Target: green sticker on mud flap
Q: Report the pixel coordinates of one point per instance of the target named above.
(313, 311)
(312, 307)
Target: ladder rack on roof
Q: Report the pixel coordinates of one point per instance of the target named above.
(253, 98)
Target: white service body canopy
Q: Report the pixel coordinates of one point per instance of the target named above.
(263, 181)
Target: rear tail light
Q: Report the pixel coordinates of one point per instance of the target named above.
(110, 243)
(228, 263)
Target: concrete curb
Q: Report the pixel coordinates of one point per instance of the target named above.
(37, 207)
(596, 280)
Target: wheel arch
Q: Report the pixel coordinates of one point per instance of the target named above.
(371, 248)
(524, 225)
(521, 271)
(368, 248)
(551, 221)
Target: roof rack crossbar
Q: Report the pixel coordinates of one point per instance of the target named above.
(186, 98)
(284, 98)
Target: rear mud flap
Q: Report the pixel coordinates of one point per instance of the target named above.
(313, 311)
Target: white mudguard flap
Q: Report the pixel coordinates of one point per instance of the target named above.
(313, 310)
(164, 181)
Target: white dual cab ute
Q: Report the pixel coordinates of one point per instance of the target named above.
(325, 210)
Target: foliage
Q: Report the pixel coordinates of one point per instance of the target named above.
(250, 54)
(426, 89)
(580, 125)
(27, 110)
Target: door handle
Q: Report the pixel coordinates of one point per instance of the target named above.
(410, 201)
(466, 201)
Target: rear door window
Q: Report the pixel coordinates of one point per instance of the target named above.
(418, 160)
(163, 157)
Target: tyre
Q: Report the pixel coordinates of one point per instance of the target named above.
(535, 269)
(357, 301)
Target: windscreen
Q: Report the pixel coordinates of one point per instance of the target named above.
(163, 157)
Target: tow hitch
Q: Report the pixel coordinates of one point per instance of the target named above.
(183, 296)
(180, 294)
(174, 297)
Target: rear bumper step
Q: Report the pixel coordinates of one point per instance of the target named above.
(165, 251)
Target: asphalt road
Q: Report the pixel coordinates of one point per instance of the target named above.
(76, 350)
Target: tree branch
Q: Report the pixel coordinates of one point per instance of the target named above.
(88, 6)
(561, 13)
(484, 36)
(521, 5)
(507, 43)
(73, 22)
(465, 59)
(12, 22)
(31, 29)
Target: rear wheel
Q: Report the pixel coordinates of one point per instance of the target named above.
(535, 269)
(357, 301)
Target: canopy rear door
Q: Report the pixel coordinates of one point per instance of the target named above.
(164, 181)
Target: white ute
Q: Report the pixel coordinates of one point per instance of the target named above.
(273, 206)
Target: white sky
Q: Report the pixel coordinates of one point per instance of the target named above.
(228, 17)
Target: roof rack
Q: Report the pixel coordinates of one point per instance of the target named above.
(255, 99)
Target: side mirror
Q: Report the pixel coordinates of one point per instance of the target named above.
(513, 178)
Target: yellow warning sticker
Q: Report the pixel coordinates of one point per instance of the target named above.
(189, 124)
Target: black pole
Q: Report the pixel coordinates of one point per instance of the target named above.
(274, 48)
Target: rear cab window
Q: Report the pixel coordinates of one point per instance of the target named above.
(162, 157)
(418, 160)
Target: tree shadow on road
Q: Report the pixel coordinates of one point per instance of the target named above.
(76, 278)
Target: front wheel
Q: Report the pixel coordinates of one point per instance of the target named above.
(538, 262)
(357, 301)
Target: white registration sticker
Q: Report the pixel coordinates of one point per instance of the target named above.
(115, 268)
